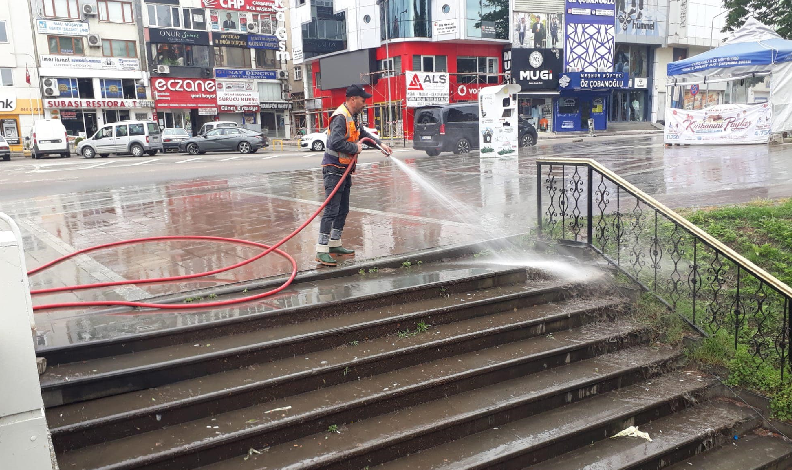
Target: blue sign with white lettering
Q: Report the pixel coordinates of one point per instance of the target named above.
(594, 80)
(247, 74)
(261, 41)
(590, 12)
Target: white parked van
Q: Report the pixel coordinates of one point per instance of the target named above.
(48, 137)
(125, 137)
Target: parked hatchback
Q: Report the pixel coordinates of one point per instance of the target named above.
(5, 149)
(124, 137)
(455, 128)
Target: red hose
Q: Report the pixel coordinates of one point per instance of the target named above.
(123, 303)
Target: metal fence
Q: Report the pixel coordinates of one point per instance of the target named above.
(714, 288)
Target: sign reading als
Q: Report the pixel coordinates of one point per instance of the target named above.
(425, 88)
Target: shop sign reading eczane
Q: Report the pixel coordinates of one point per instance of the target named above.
(184, 92)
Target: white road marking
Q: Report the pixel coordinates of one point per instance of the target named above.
(405, 150)
(147, 161)
(189, 160)
(308, 155)
(231, 158)
(98, 165)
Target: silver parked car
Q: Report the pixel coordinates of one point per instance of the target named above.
(124, 137)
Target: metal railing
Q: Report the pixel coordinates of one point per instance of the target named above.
(713, 287)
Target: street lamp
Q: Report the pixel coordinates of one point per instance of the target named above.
(712, 25)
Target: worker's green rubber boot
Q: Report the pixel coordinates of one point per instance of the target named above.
(340, 250)
(326, 259)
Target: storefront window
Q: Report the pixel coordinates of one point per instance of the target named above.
(6, 77)
(406, 19)
(477, 70)
(65, 45)
(487, 19)
(114, 115)
(568, 106)
(631, 59)
(637, 105)
(269, 91)
(232, 57)
(174, 119)
(180, 55)
(265, 58)
(116, 48)
(119, 88)
(78, 122)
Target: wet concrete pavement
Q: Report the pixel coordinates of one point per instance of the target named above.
(390, 215)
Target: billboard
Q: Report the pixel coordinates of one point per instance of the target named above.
(538, 30)
(426, 88)
(534, 69)
(723, 124)
(184, 92)
(641, 18)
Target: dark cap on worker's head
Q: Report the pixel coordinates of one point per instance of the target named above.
(357, 90)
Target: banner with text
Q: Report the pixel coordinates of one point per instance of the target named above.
(722, 124)
(425, 89)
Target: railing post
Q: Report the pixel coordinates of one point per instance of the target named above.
(25, 443)
(590, 206)
(538, 198)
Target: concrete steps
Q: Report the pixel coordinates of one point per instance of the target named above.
(501, 369)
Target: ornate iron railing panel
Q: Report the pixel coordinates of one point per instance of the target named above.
(717, 290)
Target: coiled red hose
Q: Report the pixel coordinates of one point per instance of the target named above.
(123, 303)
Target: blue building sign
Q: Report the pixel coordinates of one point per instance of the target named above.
(593, 81)
(262, 41)
(247, 74)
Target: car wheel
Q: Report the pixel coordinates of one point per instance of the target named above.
(433, 153)
(7, 158)
(317, 145)
(88, 152)
(152, 153)
(254, 150)
(137, 150)
(244, 147)
(65, 155)
(462, 146)
(193, 149)
(527, 140)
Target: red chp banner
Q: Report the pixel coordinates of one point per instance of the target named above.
(184, 92)
(254, 6)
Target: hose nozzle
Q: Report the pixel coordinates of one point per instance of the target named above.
(372, 142)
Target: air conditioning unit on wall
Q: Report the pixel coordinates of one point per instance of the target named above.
(89, 9)
(94, 40)
(283, 74)
(51, 89)
(163, 69)
(253, 27)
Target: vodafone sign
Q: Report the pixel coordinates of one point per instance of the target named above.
(255, 6)
(184, 92)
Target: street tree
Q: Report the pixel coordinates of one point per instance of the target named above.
(776, 13)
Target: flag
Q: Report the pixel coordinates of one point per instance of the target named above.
(27, 75)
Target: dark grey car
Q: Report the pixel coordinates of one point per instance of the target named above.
(225, 139)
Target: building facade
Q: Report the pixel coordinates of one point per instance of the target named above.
(20, 95)
(91, 63)
(339, 42)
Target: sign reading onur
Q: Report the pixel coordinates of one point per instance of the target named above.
(62, 28)
(184, 92)
(594, 80)
(255, 6)
(722, 124)
(93, 104)
(178, 36)
(426, 88)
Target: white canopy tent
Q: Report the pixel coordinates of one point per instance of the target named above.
(754, 50)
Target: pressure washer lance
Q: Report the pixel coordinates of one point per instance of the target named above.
(375, 144)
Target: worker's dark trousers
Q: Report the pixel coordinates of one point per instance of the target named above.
(335, 213)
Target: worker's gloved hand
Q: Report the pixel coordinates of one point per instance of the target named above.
(386, 150)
